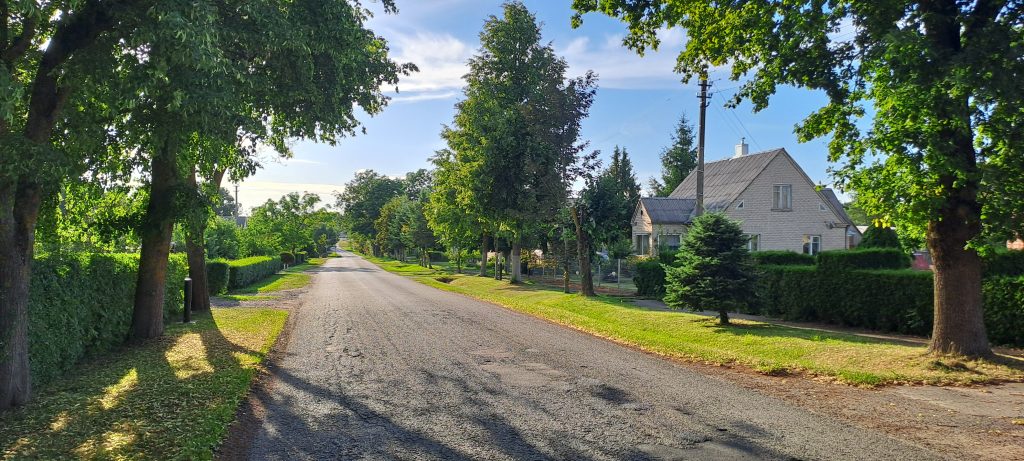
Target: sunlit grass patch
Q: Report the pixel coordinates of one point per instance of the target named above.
(171, 398)
(767, 348)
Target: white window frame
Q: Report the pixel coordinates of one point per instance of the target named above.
(822, 207)
(666, 234)
(647, 242)
(778, 196)
(739, 206)
(753, 242)
(812, 244)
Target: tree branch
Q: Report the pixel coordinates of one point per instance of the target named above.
(985, 11)
(21, 43)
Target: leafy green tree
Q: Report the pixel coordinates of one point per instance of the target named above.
(222, 239)
(677, 160)
(361, 203)
(621, 169)
(880, 237)
(450, 212)
(600, 216)
(713, 269)
(938, 151)
(389, 227)
(224, 203)
(516, 130)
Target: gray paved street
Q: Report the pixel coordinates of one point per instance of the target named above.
(380, 367)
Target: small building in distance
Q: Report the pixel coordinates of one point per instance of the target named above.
(777, 204)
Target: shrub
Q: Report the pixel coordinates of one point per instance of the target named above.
(650, 279)
(1004, 310)
(867, 258)
(81, 305)
(1005, 263)
(245, 272)
(217, 274)
(287, 258)
(714, 271)
(880, 237)
(782, 258)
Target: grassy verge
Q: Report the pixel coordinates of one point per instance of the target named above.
(171, 398)
(768, 348)
(288, 279)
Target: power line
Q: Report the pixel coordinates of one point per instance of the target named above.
(744, 127)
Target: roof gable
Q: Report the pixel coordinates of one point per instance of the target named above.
(668, 210)
(725, 180)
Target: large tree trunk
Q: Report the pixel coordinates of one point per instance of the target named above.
(583, 251)
(19, 209)
(484, 248)
(515, 260)
(157, 227)
(195, 247)
(959, 327)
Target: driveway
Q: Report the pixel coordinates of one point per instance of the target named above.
(377, 366)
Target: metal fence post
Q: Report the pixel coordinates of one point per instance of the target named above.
(186, 316)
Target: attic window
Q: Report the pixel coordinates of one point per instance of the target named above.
(821, 206)
(739, 206)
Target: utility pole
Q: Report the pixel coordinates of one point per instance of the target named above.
(704, 85)
(237, 205)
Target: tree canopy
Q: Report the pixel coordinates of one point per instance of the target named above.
(677, 160)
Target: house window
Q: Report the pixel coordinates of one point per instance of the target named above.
(782, 197)
(739, 206)
(669, 241)
(642, 244)
(812, 244)
(821, 206)
(753, 242)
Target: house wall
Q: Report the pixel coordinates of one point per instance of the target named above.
(785, 230)
(642, 225)
(1015, 244)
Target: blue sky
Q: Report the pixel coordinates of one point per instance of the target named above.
(638, 103)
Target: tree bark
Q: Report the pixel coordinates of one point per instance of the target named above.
(483, 255)
(583, 251)
(157, 228)
(515, 260)
(195, 247)
(19, 209)
(959, 327)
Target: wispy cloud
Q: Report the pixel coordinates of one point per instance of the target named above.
(424, 96)
(440, 57)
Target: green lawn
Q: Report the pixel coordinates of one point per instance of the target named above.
(288, 279)
(769, 348)
(171, 398)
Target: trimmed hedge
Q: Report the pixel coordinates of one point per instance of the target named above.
(1005, 262)
(650, 279)
(81, 305)
(867, 258)
(245, 272)
(217, 276)
(885, 300)
(781, 258)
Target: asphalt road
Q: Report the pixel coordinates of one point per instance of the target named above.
(380, 367)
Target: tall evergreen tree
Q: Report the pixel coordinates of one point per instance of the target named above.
(677, 160)
(621, 170)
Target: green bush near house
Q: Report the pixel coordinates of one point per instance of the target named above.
(1004, 310)
(244, 272)
(1004, 263)
(81, 305)
(867, 258)
(880, 237)
(781, 258)
(217, 274)
(650, 279)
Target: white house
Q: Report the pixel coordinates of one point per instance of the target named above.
(777, 204)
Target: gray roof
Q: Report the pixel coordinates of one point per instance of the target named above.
(725, 180)
(830, 196)
(667, 210)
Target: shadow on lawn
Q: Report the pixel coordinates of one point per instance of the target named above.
(134, 402)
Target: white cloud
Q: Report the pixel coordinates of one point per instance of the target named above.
(441, 59)
(424, 96)
(622, 68)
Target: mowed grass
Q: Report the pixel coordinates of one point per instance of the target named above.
(288, 279)
(768, 348)
(170, 398)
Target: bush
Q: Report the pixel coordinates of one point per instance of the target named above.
(1005, 263)
(245, 272)
(880, 237)
(867, 258)
(782, 258)
(81, 305)
(886, 300)
(1004, 310)
(650, 279)
(217, 275)
(287, 258)
(438, 257)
